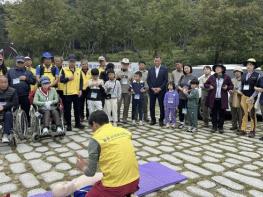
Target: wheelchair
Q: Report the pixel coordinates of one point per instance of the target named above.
(37, 124)
(20, 126)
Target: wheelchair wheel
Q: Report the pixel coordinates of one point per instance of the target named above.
(35, 137)
(21, 124)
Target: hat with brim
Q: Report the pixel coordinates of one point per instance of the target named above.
(27, 58)
(44, 80)
(125, 61)
(20, 59)
(101, 58)
(252, 61)
(219, 65)
(72, 57)
(238, 69)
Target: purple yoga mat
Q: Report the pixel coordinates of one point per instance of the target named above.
(153, 176)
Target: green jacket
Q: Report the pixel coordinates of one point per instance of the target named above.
(40, 99)
(193, 99)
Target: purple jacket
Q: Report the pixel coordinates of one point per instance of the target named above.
(171, 99)
(212, 93)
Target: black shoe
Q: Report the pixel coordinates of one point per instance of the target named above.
(152, 123)
(69, 128)
(146, 120)
(80, 126)
(233, 128)
(214, 129)
(242, 133)
(206, 124)
(252, 134)
(221, 130)
(261, 138)
(161, 124)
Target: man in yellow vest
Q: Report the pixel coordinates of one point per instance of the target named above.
(48, 69)
(111, 149)
(73, 83)
(58, 61)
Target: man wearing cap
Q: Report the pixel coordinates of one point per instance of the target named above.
(248, 83)
(157, 81)
(3, 68)
(235, 98)
(72, 78)
(48, 69)
(218, 86)
(102, 62)
(125, 77)
(29, 67)
(8, 100)
(21, 79)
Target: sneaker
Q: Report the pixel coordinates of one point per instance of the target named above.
(140, 123)
(161, 124)
(189, 129)
(167, 125)
(45, 131)
(173, 125)
(214, 129)
(252, 134)
(115, 124)
(152, 122)
(69, 128)
(261, 138)
(5, 138)
(221, 130)
(181, 126)
(133, 122)
(242, 133)
(194, 130)
(59, 130)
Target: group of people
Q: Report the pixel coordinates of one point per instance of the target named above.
(105, 88)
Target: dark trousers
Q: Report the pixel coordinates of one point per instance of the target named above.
(182, 105)
(137, 106)
(8, 122)
(83, 104)
(218, 115)
(69, 99)
(160, 98)
(61, 95)
(25, 105)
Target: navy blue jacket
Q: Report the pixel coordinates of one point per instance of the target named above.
(159, 82)
(23, 87)
(260, 84)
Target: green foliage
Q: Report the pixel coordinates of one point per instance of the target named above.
(191, 31)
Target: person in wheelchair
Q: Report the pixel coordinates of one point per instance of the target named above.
(46, 99)
(8, 100)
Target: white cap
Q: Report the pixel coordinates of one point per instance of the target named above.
(238, 68)
(101, 58)
(125, 61)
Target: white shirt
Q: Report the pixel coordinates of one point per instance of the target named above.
(157, 69)
(219, 83)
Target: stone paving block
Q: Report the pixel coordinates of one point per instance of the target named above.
(228, 193)
(227, 182)
(52, 176)
(8, 188)
(12, 157)
(199, 192)
(40, 166)
(4, 178)
(28, 180)
(17, 168)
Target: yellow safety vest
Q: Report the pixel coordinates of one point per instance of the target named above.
(72, 87)
(61, 86)
(48, 73)
(117, 160)
(86, 77)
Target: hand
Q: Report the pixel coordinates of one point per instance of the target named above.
(224, 87)
(185, 91)
(1, 108)
(259, 89)
(211, 87)
(81, 163)
(250, 100)
(71, 78)
(47, 105)
(143, 90)
(158, 90)
(231, 91)
(22, 78)
(80, 93)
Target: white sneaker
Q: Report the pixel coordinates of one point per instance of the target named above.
(181, 126)
(133, 122)
(189, 129)
(167, 125)
(45, 131)
(140, 123)
(194, 130)
(59, 130)
(173, 125)
(5, 138)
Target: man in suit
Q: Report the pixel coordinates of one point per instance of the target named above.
(157, 80)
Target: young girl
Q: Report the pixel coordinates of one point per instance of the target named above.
(171, 101)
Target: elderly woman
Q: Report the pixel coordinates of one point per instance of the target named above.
(46, 98)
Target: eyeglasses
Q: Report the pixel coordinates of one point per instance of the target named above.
(20, 62)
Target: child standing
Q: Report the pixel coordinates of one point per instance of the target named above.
(137, 89)
(95, 91)
(171, 102)
(192, 105)
(113, 94)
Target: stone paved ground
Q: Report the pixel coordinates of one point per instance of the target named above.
(216, 165)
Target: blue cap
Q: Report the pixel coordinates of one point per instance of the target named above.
(44, 80)
(20, 59)
(72, 57)
(47, 55)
